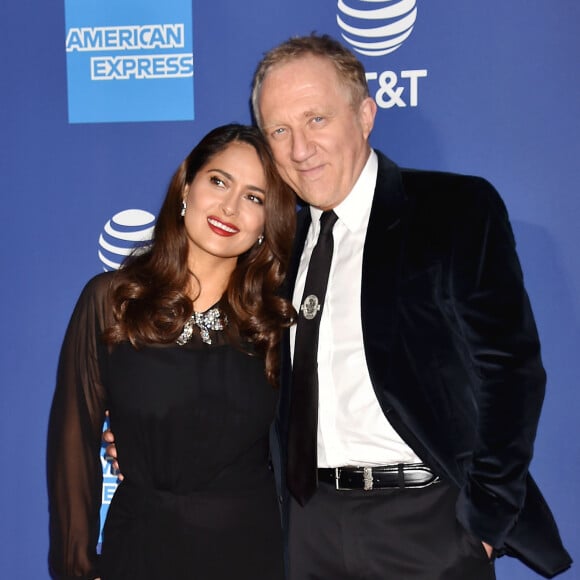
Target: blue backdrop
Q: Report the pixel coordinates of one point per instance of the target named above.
(488, 88)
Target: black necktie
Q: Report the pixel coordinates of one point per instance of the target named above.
(303, 425)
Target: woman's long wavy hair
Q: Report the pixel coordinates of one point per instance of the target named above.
(149, 293)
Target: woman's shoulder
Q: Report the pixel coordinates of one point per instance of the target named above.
(96, 294)
(100, 284)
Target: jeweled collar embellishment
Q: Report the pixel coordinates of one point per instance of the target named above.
(205, 321)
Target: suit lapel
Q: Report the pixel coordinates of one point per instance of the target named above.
(381, 270)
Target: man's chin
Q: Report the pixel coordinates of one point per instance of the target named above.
(313, 196)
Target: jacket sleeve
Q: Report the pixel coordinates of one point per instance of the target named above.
(498, 327)
(74, 469)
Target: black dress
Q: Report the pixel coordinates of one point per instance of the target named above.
(191, 425)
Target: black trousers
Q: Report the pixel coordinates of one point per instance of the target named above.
(395, 534)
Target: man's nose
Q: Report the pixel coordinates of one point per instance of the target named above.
(301, 146)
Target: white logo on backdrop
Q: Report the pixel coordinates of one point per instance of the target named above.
(379, 29)
(126, 232)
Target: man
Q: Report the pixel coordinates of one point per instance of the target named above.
(429, 382)
(429, 375)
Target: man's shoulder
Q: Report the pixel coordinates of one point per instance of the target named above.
(425, 183)
(442, 195)
(446, 190)
(429, 180)
(450, 197)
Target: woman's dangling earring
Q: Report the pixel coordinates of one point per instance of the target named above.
(261, 240)
(183, 207)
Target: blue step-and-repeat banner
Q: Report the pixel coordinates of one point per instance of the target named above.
(101, 99)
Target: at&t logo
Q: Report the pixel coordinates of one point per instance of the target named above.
(127, 231)
(376, 28)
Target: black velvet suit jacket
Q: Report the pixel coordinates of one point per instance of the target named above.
(452, 351)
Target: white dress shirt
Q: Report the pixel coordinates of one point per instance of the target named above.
(352, 429)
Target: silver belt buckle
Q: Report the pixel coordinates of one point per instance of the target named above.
(367, 479)
(337, 481)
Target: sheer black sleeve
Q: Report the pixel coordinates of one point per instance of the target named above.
(74, 436)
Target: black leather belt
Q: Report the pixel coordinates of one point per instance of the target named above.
(402, 475)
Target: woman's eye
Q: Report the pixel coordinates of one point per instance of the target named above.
(216, 180)
(255, 199)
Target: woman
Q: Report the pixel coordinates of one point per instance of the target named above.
(180, 345)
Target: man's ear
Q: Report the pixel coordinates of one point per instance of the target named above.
(366, 114)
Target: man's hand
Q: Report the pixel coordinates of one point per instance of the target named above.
(488, 549)
(111, 452)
